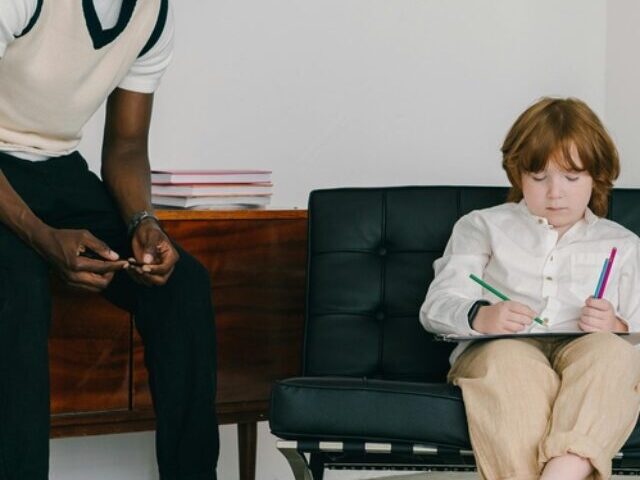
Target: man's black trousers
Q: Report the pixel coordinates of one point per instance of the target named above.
(175, 322)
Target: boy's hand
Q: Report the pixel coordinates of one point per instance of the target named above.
(598, 315)
(503, 317)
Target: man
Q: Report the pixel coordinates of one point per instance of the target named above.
(59, 60)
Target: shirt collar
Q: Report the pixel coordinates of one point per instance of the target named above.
(589, 217)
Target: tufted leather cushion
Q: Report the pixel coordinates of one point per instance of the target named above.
(339, 408)
(370, 260)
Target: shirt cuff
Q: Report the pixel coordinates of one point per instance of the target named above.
(462, 318)
(140, 86)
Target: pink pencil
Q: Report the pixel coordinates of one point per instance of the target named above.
(612, 257)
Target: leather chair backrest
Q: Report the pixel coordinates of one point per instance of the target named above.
(370, 262)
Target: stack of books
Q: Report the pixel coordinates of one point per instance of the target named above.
(211, 189)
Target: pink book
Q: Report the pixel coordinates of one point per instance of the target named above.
(168, 177)
(212, 189)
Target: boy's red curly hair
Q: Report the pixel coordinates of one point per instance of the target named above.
(547, 129)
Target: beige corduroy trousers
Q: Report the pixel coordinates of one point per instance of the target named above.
(530, 400)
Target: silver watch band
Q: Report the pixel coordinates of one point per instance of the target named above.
(137, 218)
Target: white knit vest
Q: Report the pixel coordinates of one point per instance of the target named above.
(53, 79)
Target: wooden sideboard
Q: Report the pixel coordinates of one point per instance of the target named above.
(257, 262)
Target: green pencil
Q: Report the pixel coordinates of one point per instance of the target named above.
(500, 295)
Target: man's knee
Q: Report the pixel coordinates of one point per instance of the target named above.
(25, 281)
(184, 302)
(25, 309)
(191, 275)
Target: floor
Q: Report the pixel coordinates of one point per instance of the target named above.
(343, 475)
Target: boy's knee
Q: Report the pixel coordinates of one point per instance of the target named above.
(609, 351)
(506, 350)
(505, 356)
(617, 348)
(608, 343)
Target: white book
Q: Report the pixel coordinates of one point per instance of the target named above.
(189, 202)
(631, 337)
(200, 190)
(209, 176)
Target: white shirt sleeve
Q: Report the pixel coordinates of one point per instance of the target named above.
(14, 18)
(452, 293)
(628, 298)
(145, 74)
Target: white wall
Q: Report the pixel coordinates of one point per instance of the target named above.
(364, 92)
(360, 92)
(623, 85)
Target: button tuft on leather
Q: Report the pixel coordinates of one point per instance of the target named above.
(382, 251)
(380, 316)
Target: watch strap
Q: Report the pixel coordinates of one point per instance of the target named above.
(137, 218)
(473, 311)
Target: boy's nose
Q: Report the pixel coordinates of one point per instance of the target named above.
(555, 189)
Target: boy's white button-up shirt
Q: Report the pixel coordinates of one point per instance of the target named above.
(520, 255)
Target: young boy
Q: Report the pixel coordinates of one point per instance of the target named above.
(556, 407)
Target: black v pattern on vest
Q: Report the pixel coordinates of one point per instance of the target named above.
(100, 36)
(33, 20)
(159, 28)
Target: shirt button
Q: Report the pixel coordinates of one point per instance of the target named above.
(548, 278)
(551, 258)
(540, 221)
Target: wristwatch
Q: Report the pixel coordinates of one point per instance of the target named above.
(137, 218)
(473, 311)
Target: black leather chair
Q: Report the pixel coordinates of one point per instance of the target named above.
(372, 391)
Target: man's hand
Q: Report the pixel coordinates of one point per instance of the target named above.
(598, 315)
(67, 250)
(503, 317)
(155, 256)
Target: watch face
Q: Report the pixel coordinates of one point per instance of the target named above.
(140, 215)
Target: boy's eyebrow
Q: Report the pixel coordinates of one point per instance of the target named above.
(575, 170)
(562, 170)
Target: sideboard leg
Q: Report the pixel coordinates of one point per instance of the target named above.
(247, 440)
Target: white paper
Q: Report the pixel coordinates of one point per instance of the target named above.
(631, 337)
